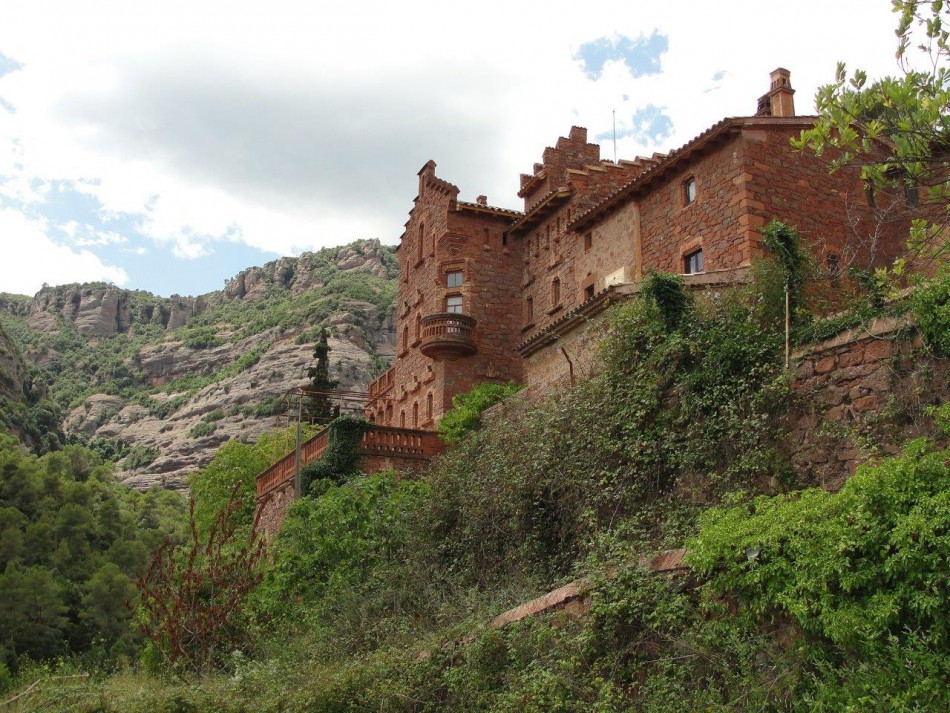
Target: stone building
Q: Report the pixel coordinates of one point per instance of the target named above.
(489, 294)
(492, 295)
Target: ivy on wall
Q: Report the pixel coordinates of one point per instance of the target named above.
(341, 458)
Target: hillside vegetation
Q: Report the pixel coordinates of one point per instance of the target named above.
(376, 592)
(158, 383)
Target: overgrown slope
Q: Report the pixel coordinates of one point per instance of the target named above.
(159, 383)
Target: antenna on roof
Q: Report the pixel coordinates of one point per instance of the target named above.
(614, 114)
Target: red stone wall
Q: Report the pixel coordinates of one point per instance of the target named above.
(865, 387)
(830, 210)
(670, 228)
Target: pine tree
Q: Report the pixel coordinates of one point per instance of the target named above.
(318, 407)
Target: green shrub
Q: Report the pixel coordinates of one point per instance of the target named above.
(201, 429)
(341, 459)
(861, 574)
(465, 414)
(931, 305)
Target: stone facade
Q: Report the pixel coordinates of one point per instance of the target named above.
(530, 283)
(865, 387)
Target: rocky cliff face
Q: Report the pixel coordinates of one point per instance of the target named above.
(234, 396)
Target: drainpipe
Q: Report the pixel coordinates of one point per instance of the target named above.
(570, 365)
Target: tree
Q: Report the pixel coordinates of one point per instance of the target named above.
(192, 597)
(897, 129)
(318, 407)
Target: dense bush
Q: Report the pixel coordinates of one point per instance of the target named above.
(859, 576)
(465, 414)
(931, 306)
(71, 542)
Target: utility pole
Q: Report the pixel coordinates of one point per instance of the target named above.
(297, 492)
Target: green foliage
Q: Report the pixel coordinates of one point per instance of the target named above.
(784, 243)
(668, 293)
(235, 464)
(465, 414)
(202, 338)
(201, 429)
(861, 574)
(318, 407)
(698, 409)
(140, 457)
(896, 128)
(341, 459)
(193, 596)
(335, 557)
(71, 540)
(930, 302)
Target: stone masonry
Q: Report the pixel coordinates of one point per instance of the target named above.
(489, 294)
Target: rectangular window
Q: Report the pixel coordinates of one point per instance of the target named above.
(453, 279)
(588, 241)
(693, 262)
(555, 292)
(589, 292)
(689, 190)
(529, 310)
(453, 304)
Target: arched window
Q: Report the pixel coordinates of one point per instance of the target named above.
(429, 407)
(415, 415)
(402, 419)
(555, 292)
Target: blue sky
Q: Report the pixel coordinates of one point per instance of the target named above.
(166, 146)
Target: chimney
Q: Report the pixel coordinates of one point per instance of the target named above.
(482, 200)
(780, 100)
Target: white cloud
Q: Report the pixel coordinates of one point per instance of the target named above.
(293, 125)
(31, 258)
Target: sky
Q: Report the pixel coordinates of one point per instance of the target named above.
(166, 146)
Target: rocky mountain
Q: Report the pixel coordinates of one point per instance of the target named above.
(159, 383)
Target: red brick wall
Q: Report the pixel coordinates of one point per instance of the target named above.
(455, 237)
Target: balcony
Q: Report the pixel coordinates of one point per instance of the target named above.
(391, 447)
(447, 336)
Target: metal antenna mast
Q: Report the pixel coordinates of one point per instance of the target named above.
(614, 114)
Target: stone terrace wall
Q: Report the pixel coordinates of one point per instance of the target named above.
(860, 395)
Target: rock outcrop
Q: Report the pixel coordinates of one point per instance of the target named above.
(185, 427)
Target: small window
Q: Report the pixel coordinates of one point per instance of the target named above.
(555, 292)
(415, 415)
(589, 293)
(453, 304)
(405, 337)
(869, 195)
(693, 262)
(689, 190)
(588, 242)
(402, 419)
(453, 279)
(529, 310)
(429, 407)
(422, 231)
(504, 239)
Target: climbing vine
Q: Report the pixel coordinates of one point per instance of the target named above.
(341, 458)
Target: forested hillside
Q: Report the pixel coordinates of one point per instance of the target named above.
(158, 383)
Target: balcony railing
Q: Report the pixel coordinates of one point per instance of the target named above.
(386, 441)
(447, 335)
(382, 383)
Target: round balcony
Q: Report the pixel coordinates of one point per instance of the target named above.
(447, 336)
